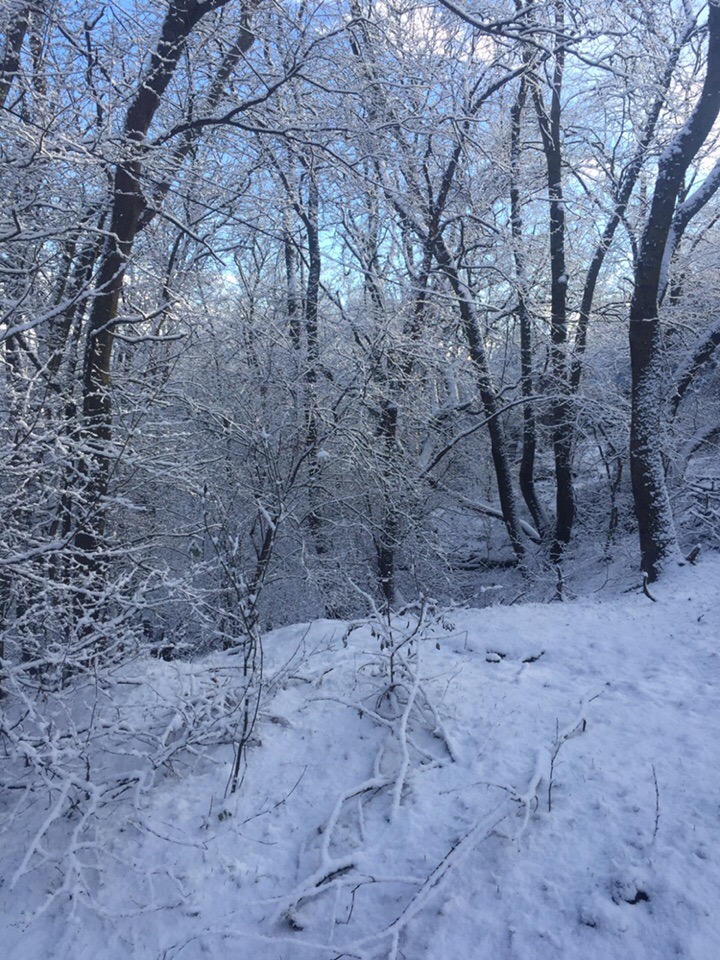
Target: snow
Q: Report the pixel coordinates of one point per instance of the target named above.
(540, 781)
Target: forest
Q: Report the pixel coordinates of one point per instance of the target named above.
(347, 311)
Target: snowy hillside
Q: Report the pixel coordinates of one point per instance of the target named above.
(529, 782)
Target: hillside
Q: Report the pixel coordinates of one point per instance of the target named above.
(537, 782)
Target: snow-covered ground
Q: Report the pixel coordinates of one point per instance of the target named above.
(533, 782)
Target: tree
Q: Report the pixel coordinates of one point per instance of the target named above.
(658, 538)
(437, 212)
(130, 213)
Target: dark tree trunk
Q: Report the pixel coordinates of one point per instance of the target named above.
(130, 213)
(529, 446)
(624, 190)
(310, 216)
(561, 406)
(488, 397)
(656, 526)
(658, 541)
(11, 52)
(294, 301)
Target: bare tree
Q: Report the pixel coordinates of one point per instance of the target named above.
(658, 539)
(130, 213)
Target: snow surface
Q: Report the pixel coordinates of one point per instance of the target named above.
(542, 781)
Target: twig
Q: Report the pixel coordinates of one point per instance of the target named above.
(578, 725)
(645, 588)
(280, 802)
(457, 853)
(657, 802)
(693, 555)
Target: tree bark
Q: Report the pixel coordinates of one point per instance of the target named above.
(10, 62)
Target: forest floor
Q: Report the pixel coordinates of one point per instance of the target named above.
(525, 782)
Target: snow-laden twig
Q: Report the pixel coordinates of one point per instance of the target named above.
(95, 749)
(52, 816)
(400, 712)
(376, 782)
(480, 831)
(430, 886)
(657, 803)
(401, 705)
(545, 762)
(402, 742)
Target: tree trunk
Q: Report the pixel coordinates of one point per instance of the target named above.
(658, 540)
(561, 406)
(488, 397)
(130, 214)
(11, 53)
(529, 446)
(656, 526)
